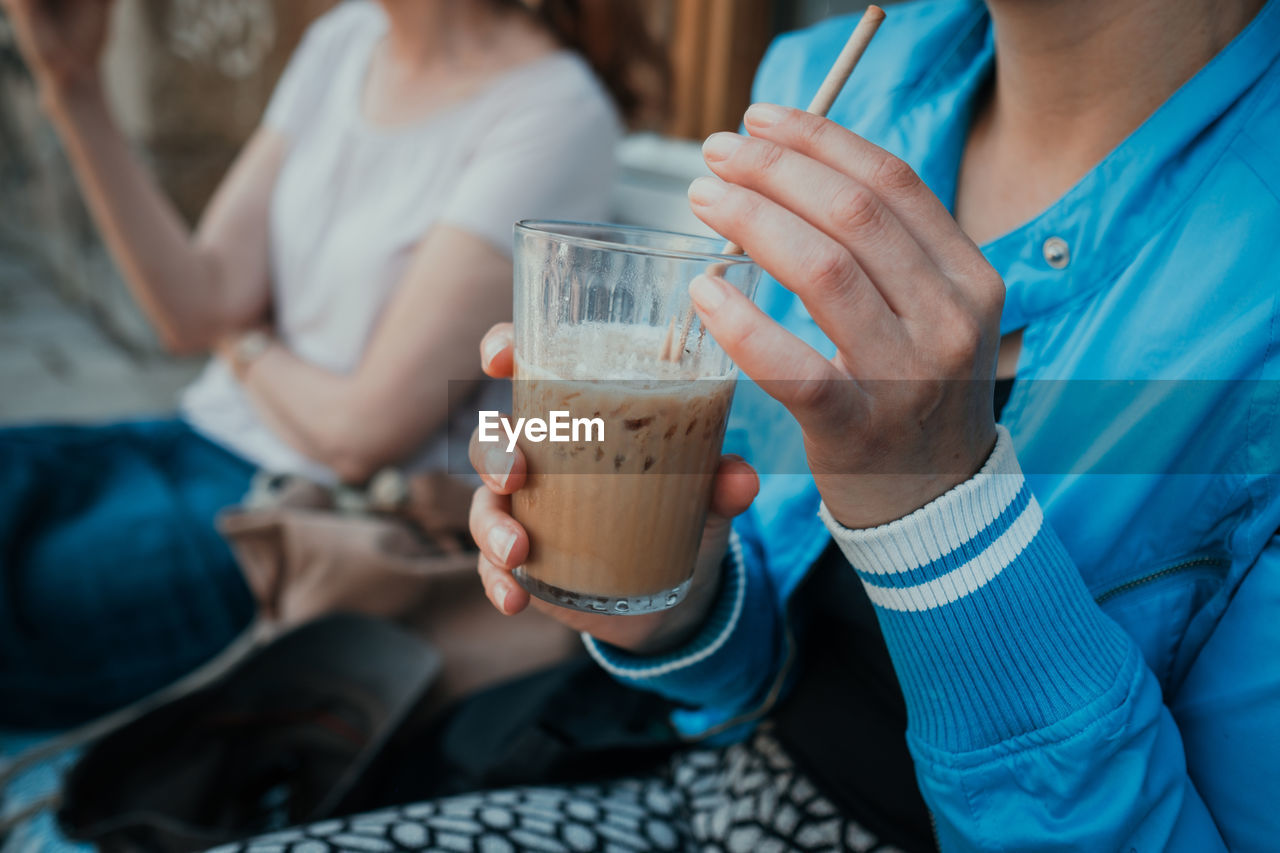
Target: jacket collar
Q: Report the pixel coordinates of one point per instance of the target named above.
(1106, 218)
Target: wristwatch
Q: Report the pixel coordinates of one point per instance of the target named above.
(248, 348)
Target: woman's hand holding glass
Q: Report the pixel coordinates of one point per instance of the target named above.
(504, 544)
(909, 301)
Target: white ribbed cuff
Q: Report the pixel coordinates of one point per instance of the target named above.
(951, 547)
(991, 629)
(715, 633)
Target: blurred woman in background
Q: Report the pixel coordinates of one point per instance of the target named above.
(342, 276)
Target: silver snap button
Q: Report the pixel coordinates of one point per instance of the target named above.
(1057, 253)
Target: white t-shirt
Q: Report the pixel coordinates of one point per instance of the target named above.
(353, 201)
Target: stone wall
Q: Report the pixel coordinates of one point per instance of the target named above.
(188, 80)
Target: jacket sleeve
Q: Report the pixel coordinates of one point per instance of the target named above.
(1034, 720)
(723, 674)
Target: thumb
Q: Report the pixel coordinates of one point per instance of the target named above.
(497, 351)
(736, 486)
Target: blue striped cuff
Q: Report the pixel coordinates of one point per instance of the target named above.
(721, 622)
(989, 624)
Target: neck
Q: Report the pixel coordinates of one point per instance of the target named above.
(427, 31)
(1073, 78)
(1077, 74)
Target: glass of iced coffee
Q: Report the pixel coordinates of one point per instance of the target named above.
(611, 360)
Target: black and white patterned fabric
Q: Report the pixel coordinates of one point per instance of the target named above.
(747, 798)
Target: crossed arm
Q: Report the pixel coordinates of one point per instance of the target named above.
(201, 288)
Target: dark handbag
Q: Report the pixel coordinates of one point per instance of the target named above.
(567, 724)
(306, 550)
(280, 739)
(283, 740)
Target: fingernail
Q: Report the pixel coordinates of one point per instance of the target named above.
(720, 146)
(764, 115)
(708, 293)
(707, 191)
(499, 465)
(492, 346)
(501, 541)
(503, 592)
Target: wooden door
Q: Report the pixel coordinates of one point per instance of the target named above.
(715, 47)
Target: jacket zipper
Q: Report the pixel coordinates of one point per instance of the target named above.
(1177, 568)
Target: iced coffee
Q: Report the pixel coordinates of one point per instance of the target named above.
(615, 523)
(615, 515)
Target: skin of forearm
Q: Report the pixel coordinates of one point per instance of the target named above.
(421, 353)
(351, 424)
(174, 281)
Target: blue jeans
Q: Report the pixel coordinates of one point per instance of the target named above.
(113, 580)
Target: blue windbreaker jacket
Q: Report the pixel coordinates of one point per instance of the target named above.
(1090, 653)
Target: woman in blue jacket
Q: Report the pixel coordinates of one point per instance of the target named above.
(1081, 200)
